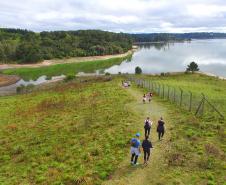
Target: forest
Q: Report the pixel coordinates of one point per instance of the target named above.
(23, 46)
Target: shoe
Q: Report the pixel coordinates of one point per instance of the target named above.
(131, 163)
(136, 164)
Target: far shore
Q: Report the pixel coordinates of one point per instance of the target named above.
(65, 61)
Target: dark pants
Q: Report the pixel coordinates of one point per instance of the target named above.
(161, 134)
(146, 154)
(132, 157)
(147, 130)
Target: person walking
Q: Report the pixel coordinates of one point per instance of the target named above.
(144, 98)
(161, 128)
(135, 149)
(146, 145)
(150, 97)
(147, 126)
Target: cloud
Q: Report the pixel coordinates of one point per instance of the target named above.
(115, 15)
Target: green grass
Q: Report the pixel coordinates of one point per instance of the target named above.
(76, 132)
(65, 69)
(197, 146)
(66, 134)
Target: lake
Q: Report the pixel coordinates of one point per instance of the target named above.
(174, 57)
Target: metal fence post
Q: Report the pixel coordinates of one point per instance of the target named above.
(159, 89)
(174, 94)
(181, 96)
(163, 88)
(168, 92)
(149, 85)
(190, 105)
(204, 98)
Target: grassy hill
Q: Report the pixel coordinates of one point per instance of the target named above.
(66, 134)
(78, 133)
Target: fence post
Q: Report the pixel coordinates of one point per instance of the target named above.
(174, 94)
(181, 96)
(159, 89)
(149, 85)
(163, 88)
(190, 105)
(204, 98)
(168, 92)
(197, 111)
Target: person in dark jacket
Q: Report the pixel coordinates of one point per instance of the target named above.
(146, 145)
(161, 128)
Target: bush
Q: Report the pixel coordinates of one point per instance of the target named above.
(20, 89)
(138, 70)
(107, 74)
(69, 77)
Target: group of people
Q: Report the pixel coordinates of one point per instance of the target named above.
(147, 97)
(146, 145)
(126, 83)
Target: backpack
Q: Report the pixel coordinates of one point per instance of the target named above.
(147, 125)
(133, 142)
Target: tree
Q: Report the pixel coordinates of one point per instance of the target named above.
(29, 53)
(138, 70)
(193, 67)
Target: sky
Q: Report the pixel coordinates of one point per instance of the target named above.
(130, 16)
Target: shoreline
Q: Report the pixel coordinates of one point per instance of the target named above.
(7, 80)
(65, 61)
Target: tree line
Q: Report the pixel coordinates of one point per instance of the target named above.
(166, 37)
(23, 46)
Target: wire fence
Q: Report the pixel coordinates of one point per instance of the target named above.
(198, 104)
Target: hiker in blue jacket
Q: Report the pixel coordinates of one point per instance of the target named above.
(135, 149)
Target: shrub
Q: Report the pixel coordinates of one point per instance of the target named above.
(20, 89)
(162, 74)
(48, 78)
(107, 74)
(69, 77)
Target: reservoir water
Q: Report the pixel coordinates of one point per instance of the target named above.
(174, 57)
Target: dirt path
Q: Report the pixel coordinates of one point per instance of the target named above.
(64, 61)
(140, 175)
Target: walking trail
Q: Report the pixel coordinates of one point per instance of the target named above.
(151, 174)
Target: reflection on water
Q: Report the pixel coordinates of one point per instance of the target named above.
(173, 57)
(11, 89)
